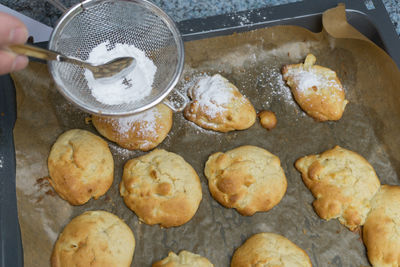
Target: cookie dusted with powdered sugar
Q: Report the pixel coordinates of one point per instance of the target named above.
(269, 249)
(381, 231)
(217, 104)
(183, 259)
(343, 183)
(247, 178)
(94, 238)
(316, 89)
(161, 188)
(143, 131)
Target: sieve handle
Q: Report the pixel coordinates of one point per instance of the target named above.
(176, 100)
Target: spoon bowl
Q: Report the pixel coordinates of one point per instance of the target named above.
(106, 70)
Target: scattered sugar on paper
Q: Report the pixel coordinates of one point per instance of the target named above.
(272, 78)
(122, 152)
(132, 87)
(211, 92)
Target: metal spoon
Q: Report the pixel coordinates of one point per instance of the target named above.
(106, 70)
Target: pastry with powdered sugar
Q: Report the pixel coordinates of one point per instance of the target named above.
(143, 131)
(217, 104)
(316, 89)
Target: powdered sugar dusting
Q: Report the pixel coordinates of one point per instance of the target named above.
(309, 78)
(144, 123)
(213, 93)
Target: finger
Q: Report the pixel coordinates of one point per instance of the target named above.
(11, 62)
(12, 30)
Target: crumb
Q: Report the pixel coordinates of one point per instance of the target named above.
(41, 180)
(50, 193)
(88, 120)
(40, 198)
(267, 119)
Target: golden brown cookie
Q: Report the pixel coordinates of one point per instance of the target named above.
(316, 89)
(161, 188)
(80, 166)
(342, 182)
(184, 259)
(247, 178)
(94, 238)
(269, 249)
(218, 105)
(381, 232)
(143, 131)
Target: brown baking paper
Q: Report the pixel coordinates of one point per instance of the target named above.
(252, 61)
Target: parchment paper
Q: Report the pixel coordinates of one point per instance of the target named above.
(252, 61)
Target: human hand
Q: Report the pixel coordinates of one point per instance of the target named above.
(12, 31)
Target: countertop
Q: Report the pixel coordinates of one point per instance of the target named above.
(179, 10)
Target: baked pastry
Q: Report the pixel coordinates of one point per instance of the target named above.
(267, 119)
(143, 131)
(247, 178)
(218, 105)
(94, 238)
(183, 259)
(342, 182)
(316, 89)
(381, 232)
(161, 188)
(269, 249)
(80, 166)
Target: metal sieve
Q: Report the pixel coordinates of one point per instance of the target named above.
(134, 22)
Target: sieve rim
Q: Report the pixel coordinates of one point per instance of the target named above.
(80, 7)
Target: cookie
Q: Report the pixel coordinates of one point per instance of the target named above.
(342, 182)
(143, 131)
(381, 231)
(269, 249)
(217, 104)
(267, 119)
(94, 238)
(247, 178)
(316, 89)
(161, 188)
(80, 166)
(183, 259)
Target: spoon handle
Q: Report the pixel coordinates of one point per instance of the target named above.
(36, 52)
(33, 51)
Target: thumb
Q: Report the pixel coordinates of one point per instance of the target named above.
(12, 30)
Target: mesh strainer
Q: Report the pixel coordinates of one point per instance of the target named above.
(134, 22)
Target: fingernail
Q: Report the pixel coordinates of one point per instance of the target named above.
(18, 35)
(19, 63)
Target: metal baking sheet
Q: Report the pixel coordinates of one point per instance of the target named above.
(252, 62)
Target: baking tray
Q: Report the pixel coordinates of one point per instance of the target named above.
(374, 24)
